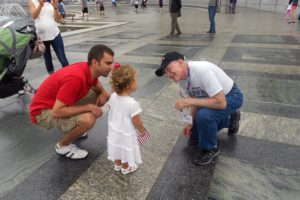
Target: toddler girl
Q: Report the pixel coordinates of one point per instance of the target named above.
(124, 121)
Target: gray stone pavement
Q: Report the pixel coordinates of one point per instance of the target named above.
(258, 49)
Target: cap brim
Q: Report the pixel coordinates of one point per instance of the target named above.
(160, 70)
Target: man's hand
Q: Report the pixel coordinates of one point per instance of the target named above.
(182, 103)
(187, 130)
(97, 111)
(102, 98)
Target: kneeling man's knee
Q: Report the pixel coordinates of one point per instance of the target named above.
(203, 115)
(87, 120)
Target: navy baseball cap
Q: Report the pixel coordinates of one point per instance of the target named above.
(166, 60)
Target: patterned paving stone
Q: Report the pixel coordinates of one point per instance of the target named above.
(266, 39)
(158, 50)
(263, 56)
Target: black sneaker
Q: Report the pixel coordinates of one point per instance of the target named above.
(192, 142)
(234, 123)
(206, 156)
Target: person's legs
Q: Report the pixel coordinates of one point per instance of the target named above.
(87, 14)
(73, 127)
(173, 24)
(177, 26)
(233, 6)
(212, 15)
(58, 46)
(230, 6)
(85, 122)
(293, 15)
(48, 58)
(210, 121)
(210, 18)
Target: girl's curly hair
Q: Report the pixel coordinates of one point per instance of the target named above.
(122, 77)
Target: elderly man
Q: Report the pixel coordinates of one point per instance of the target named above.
(71, 99)
(213, 99)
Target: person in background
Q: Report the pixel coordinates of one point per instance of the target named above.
(85, 9)
(232, 6)
(62, 11)
(114, 3)
(212, 9)
(100, 4)
(136, 5)
(293, 13)
(46, 17)
(160, 4)
(175, 7)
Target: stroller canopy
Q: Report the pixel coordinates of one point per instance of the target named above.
(14, 51)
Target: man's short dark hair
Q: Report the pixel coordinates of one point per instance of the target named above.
(97, 52)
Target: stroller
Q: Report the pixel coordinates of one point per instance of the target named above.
(16, 48)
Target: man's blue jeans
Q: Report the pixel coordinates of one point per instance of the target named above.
(58, 47)
(211, 14)
(208, 122)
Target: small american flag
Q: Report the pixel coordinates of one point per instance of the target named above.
(144, 138)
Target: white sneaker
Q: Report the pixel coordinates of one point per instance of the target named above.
(71, 151)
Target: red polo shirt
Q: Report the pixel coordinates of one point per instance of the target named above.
(69, 85)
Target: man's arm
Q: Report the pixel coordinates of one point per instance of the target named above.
(103, 94)
(98, 88)
(216, 102)
(61, 110)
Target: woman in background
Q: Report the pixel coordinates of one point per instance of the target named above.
(45, 14)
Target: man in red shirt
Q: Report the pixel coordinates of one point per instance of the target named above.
(71, 98)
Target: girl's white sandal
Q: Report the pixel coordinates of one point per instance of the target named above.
(129, 169)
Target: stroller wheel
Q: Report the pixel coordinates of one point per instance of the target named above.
(29, 88)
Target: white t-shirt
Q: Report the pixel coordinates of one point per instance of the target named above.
(46, 27)
(205, 80)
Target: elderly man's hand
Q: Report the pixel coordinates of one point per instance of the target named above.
(102, 99)
(187, 130)
(182, 103)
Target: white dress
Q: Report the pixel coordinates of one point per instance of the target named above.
(122, 143)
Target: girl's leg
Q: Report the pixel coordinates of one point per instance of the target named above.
(118, 162)
(125, 165)
(126, 169)
(118, 165)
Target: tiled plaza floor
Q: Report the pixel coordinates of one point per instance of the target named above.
(258, 49)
